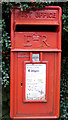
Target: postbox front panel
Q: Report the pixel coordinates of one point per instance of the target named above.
(35, 95)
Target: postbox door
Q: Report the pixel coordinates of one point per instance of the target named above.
(29, 107)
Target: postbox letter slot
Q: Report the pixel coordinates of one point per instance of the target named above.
(22, 28)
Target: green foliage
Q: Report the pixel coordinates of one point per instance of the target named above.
(64, 89)
(6, 46)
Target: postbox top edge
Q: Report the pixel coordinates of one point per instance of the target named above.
(46, 7)
(33, 16)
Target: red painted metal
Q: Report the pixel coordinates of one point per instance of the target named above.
(25, 43)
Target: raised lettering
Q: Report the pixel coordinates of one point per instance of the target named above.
(45, 15)
(36, 15)
(24, 15)
(54, 15)
(51, 14)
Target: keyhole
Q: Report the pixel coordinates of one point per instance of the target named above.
(21, 84)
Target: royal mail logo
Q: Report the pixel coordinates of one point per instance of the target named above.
(30, 39)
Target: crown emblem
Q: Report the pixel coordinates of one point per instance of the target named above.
(35, 37)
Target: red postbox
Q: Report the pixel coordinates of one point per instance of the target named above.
(35, 63)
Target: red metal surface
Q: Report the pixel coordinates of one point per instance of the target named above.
(47, 44)
(50, 14)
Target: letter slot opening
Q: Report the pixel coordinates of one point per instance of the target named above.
(41, 28)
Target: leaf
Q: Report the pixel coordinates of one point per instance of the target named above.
(22, 9)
